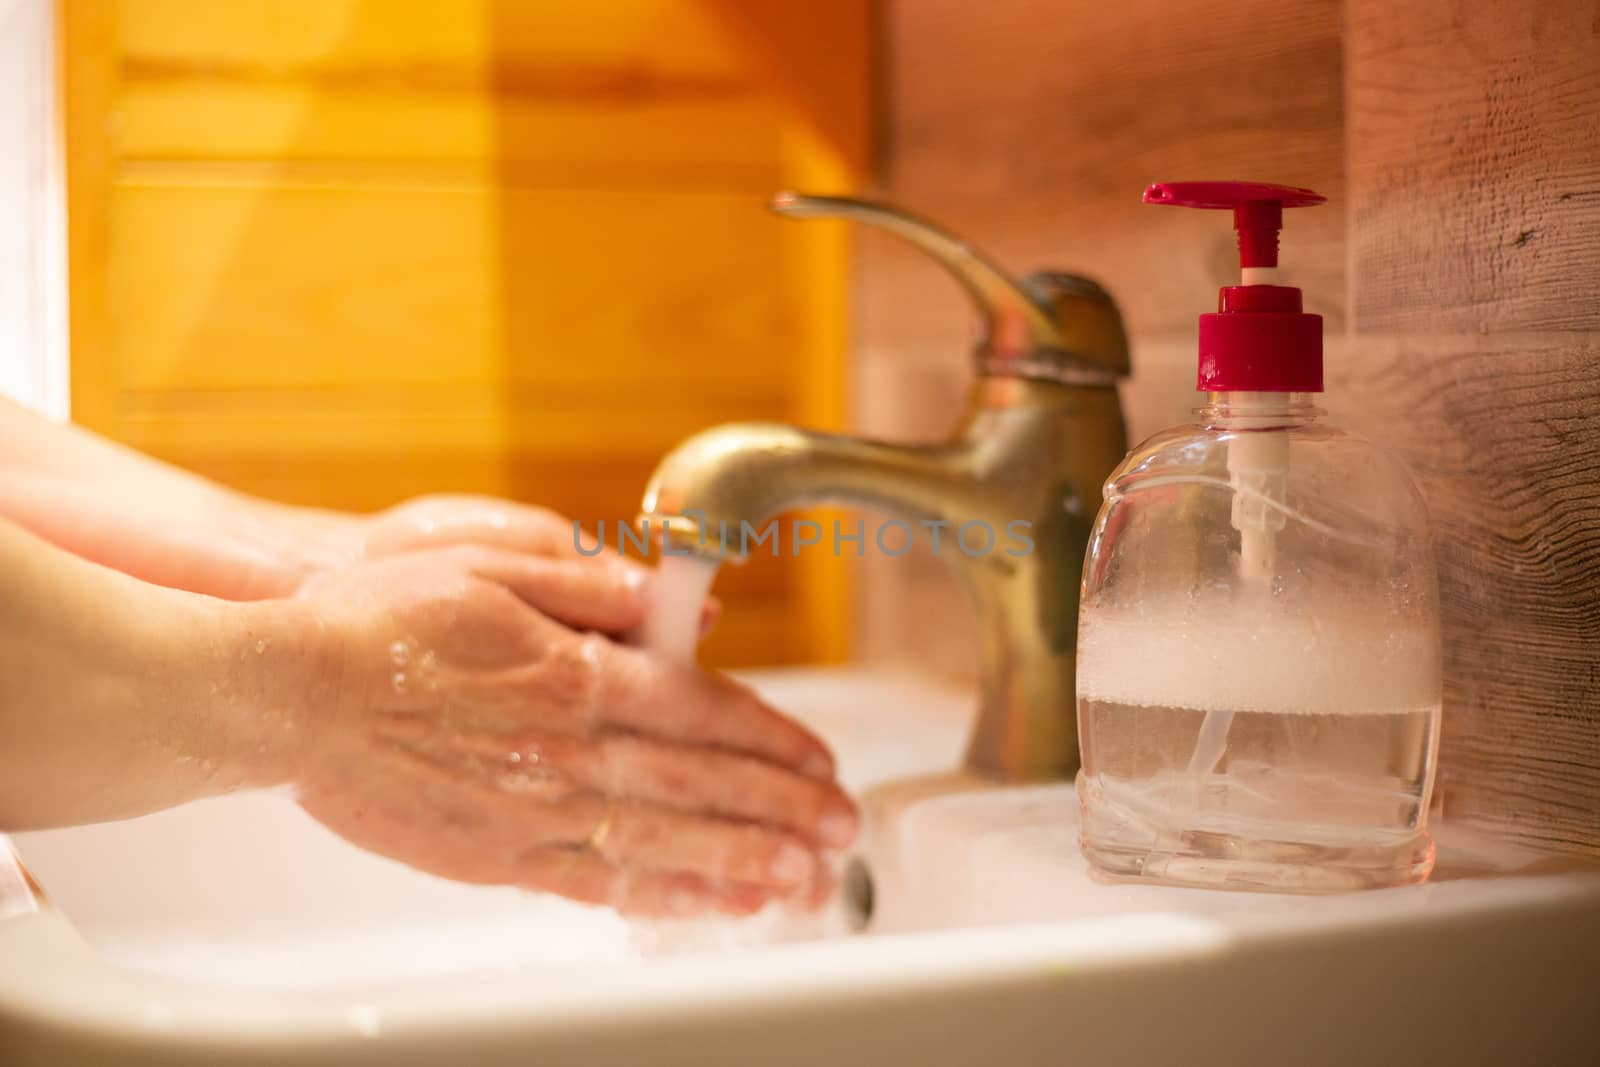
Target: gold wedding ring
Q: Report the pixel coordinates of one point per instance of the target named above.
(597, 836)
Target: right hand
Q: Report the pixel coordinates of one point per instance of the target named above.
(479, 724)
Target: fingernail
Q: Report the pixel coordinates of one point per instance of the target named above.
(709, 615)
(837, 828)
(791, 866)
(817, 765)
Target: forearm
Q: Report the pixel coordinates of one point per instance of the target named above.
(145, 518)
(118, 697)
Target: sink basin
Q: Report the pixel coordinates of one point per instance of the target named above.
(237, 928)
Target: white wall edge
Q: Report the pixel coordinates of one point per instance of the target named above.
(34, 348)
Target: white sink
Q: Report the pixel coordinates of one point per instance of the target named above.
(237, 928)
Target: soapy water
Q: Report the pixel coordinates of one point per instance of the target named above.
(1255, 740)
(1328, 664)
(672, 631)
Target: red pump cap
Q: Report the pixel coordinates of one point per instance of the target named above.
(1259, 340)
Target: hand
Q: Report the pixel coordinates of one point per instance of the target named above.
(452, 519)
(442, 520)
(470, 734)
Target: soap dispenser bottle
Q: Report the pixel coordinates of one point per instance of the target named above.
(1258, 645)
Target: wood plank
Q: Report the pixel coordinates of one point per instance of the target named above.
(88, 43)
(575, 292)
(370, 424)
(651, 90)
(345, 251)
(1033, 132)
(731, 140)
(423, 43)
(1500, 433)
(1475, 210)
(1475, 165)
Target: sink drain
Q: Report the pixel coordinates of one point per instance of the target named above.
(857, 892)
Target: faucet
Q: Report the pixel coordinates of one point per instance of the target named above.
(1042, 432)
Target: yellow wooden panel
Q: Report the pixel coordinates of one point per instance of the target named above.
(419, 42)
(727, 140)
(569, 89)
(597, 295)
(344, 251)
(372, 424)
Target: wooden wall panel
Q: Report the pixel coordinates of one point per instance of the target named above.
(1035, 129)
(403, 286)
(1488, 425)
(1475, 291)
(1461, 142)
(652, 90)
(340, 252)
(1475, 165)
(1033, 132)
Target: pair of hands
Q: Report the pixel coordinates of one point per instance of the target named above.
(480, 718)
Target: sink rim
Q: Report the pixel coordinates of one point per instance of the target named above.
(52, 982)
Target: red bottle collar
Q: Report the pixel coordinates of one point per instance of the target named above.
(1260, 339)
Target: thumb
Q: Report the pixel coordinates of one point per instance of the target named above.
(604, 594)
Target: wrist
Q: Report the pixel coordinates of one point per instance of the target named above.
(274, 672)
(298, 544)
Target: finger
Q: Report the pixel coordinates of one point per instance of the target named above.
(439, 521)
(679, 702)
(609, 596)
(822, 887)
(696, 780)
(584, 876)
(655, 838)
(710, 612)
(723, 784)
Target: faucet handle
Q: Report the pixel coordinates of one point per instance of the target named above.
(1059, 327)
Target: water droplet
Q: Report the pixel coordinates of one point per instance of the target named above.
(261, 646)
(514, 757)
(399, 653)
(399, 681)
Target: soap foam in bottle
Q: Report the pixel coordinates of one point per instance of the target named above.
(1313, 735)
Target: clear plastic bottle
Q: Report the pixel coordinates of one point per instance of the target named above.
(1258, 648)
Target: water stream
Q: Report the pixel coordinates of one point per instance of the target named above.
(672, 629)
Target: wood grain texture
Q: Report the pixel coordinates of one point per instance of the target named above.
(1475, 165)
(1503, 435)
(1034, 128)
(565, 97)
(1473, 270)
(395, 286)
(346, 251)
(1474, 156)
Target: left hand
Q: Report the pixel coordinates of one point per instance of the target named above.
(442, 520)
(453, 519)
